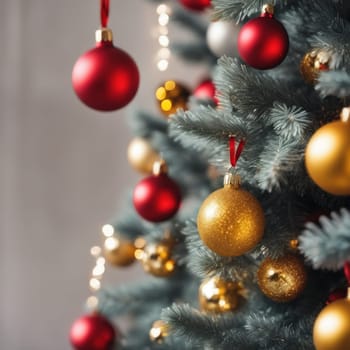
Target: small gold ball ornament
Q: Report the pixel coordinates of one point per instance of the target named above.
(313, 63)
(157, 259)
(231, 221)
(118, 251)
(218, 295)
(332, 326)
(327, 156)
(171, 96)
(158, 332)
(282, 279)
(141, 155)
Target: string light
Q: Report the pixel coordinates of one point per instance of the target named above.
(163, 54)
(99, 268)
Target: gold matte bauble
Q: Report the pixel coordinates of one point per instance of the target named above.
(118, 251)
(332, 326)
(171, 96)
(282, 279)
(231, 221)
(313, 63)
(157, 260)
(158, 332)
(141, 155)
(218, 295)
(327, 158)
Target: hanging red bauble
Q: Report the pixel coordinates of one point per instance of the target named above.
(157, 197)
(92, 332)
(336, 294)
(263, 41)
(196, 5)
(105, 78)
(206, 91)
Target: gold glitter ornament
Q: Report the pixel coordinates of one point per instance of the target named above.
(231, 221)
(332, 326)
(141, 155)
(327, 156)
(158, 332)
(157, 260)
(313, 63)
(282, 279)
(118, 251)
(218, 295)
(171, 96)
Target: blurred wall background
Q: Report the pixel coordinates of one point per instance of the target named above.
(63, 166)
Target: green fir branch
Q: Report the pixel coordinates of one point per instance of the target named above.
(327, 245)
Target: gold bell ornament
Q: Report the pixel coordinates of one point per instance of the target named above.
(282, 279)
(218, 295)
(313, 63)
(332, 326)
(171, 96)
(327, 156)
(141, 155)
(157, 258)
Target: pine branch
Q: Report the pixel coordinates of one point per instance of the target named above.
(240, 9)
(191, 22)
(139, 296)
(204, 263)
(194, 52)
(327, 246)
(334, 83)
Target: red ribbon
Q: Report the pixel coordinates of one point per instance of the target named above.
(104, 13)
(235, 152)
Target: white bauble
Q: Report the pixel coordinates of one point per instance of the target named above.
(222, 38)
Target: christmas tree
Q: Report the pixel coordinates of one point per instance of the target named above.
(243, 226)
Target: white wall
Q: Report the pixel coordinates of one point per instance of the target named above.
(63, 166)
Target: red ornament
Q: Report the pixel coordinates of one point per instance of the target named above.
(206, 90)
(105, 78)
(347, 272)
(263, 41)
(157, 197)
(92, 332)
(339, 293)
(196, 5)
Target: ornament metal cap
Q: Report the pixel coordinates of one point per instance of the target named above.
(345, 114)
(103, 35)
(160, 167)
(268, 9)
(232, 180)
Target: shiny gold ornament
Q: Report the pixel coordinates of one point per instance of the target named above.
(172, 96)
(231, 221)
(282, 279)
(332, 326)
(157, 260)
(158, 332)
(141, 155)
(218, 295)
(327, 156)
(313, 63)
(118, 251)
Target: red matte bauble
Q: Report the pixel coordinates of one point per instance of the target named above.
(196, 5)
(206, 91)
(263, 42)
(105, 78)
(157, 198)
(92, 332)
